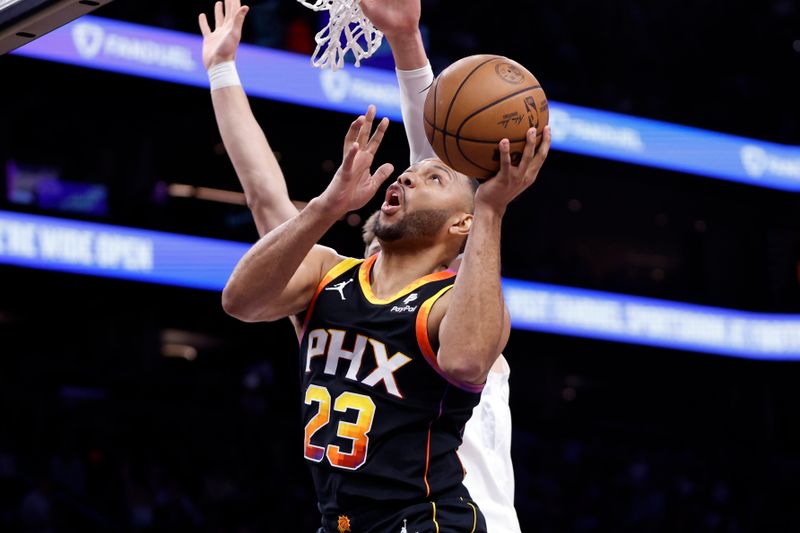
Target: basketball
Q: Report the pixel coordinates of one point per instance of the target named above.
(474, 104)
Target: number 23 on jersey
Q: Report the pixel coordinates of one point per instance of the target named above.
(356, 432)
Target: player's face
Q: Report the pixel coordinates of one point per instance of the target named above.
(422, 201)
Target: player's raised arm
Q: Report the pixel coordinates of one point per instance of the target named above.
(399, 21)
(278, 275)
(475, 324)
(255, 164)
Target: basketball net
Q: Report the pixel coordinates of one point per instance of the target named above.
(346, 19)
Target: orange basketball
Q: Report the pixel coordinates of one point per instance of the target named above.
(474, 104)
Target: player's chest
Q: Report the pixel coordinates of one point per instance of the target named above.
(383, 363)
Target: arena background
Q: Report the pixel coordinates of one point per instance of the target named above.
(132, 406)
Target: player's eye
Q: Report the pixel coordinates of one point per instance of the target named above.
(436, 177)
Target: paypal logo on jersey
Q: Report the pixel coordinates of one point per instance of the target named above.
(406, 308)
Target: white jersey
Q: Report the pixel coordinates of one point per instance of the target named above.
(486, 454)
(486, 451)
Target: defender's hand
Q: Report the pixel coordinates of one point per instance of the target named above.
(221, 44)
(353, 185)
(393, 17)
(497, 193)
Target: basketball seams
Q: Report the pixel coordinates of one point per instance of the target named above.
(458, 140)
(471, 162)
(470, 139)
(455, 97)
(487, 106)
(435, 93)
(481, 110)
(466, 157)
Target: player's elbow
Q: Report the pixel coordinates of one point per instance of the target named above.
(232, 302)
(236, 304)
(267, 196)
(241, 305)
(467, 368)
(258, 202)
(269, 213)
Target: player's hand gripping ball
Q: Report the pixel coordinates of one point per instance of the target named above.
(474, 104)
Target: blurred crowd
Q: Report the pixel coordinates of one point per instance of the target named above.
(144, 461)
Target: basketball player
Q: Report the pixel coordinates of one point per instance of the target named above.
(266, 206)
(486, 450)
(385, 459)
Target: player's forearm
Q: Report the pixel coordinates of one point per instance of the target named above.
(407, 50)
(263, 273)
(255, 164)
(414, 86)
(472, 329)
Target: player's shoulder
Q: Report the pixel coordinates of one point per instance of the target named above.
(440, 308)
(326, 259)
(438, 311)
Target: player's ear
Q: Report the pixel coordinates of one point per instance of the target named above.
(461, 224)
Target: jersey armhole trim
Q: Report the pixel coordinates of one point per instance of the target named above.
(425, 344)
(338, 269)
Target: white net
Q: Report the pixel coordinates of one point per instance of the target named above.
(348, 21)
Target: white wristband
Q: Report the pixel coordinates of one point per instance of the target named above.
(223, 75)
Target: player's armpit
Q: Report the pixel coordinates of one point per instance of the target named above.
(466, 367)
(247, 303)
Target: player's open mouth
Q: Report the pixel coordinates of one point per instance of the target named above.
(393, 200)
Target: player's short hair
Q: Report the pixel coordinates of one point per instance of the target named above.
(473, 188)
(474, 183)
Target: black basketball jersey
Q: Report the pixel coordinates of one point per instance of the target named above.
(382, 421)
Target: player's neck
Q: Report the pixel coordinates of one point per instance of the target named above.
(394, 269)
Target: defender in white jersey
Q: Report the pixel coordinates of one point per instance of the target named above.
(487, 436)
